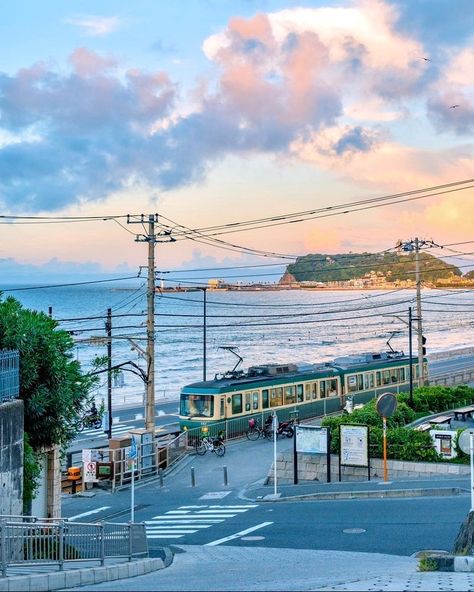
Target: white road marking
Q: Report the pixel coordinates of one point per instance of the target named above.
(89, 513)
(190, 519)
(238, 534)
(215, 495)
(165, 536)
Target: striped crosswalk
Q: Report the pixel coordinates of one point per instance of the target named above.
(175, 524)
(117, 430)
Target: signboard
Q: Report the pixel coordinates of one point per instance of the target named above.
(311, 439)
(354, 445)
(443, 441)
(464, 441)
(89, 472)
(89, 455)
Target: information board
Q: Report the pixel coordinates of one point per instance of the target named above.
(443, 441)
(311, 439)
(354, 445)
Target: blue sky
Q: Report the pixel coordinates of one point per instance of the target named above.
(212, 111)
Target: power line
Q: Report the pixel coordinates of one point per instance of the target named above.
(131, 277)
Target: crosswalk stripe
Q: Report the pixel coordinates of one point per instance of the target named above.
(191, 519)
(164, 525)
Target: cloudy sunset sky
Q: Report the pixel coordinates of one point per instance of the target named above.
(213, 111)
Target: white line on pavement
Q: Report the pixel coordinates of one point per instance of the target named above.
(238, 534)
(89, 513)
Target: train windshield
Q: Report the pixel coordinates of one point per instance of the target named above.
(197, 405)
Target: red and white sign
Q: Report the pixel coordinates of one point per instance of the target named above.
(89, 472)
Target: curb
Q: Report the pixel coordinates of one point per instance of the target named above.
(71, 578)
(458, 563)
(344, 495)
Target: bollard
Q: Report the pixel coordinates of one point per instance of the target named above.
(193, 479)
(160, 475)
(226, 482)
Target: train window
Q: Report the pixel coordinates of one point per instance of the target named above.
(314, 390)
(307, 391)
(265, 399)
(322, 389)
(386, 376)
(255, 400)
(276, 397)
(222, 407)
(378, 378)
(247, 401)
(402, 375)
(299, 392)
(368, 380)
(197, 405)
(331, 388)
(289, 395)
(236, 404)
(394, 375)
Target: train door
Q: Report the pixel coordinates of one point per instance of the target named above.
(222, 413)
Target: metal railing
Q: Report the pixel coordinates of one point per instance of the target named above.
(453, 377)
(9, 375)
(24, 543)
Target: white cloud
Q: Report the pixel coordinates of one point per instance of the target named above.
(95, 26)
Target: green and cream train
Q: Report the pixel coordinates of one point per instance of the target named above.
(295, 390)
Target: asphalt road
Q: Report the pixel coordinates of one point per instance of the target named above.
(211, 513)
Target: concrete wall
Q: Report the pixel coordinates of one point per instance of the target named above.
(313, 467)
(11, 457)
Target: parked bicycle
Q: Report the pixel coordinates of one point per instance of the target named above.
(212, 444)
(255, 430)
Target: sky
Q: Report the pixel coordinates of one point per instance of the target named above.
(210, 112)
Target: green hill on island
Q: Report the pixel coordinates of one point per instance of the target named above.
(394, 267)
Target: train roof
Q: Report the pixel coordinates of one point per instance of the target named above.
(275, 374)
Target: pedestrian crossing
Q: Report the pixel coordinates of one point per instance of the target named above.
(175, 524)
(117, 430)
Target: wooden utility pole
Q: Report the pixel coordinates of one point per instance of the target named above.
(108, 328)
(151, 239)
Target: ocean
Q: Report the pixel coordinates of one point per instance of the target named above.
(287, 326)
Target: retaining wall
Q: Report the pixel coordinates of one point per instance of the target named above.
(313, 467)
(11, 458)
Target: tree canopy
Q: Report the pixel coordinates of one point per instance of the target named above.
(52, 386)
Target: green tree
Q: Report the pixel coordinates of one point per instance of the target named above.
(52, 386)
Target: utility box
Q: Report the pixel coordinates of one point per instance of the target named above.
(144, 440)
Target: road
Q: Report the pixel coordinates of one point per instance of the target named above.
(213, 514)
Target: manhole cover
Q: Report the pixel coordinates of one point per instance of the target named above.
(353, 530)
(252, 538)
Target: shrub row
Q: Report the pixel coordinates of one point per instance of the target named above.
(404, 444)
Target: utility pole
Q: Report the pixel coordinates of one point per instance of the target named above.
(151, 238)
(410, 354)
(108, 328)
(410, 246)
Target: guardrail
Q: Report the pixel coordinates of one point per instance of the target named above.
(453, 377)
(9, 375)
(24, 543)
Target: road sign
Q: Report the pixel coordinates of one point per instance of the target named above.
(386, 404)
(464, 441)
(133, 453)
(89, 473)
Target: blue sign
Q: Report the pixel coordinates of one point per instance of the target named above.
(132, 455)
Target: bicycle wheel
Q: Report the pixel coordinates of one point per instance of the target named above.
(253, 434)
(98, 423)
(289, 432)
(80, 425)
(201, 448)
(219, 449)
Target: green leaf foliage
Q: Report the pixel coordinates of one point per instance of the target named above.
(31, 473)
(52, 385)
